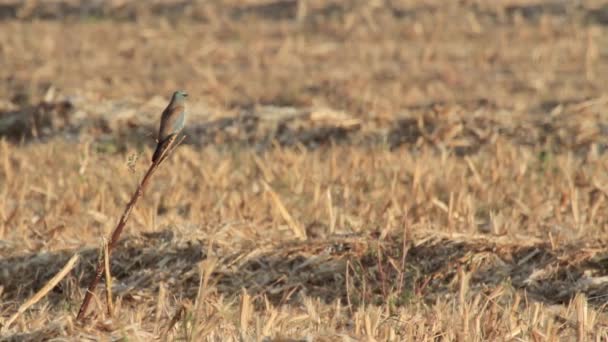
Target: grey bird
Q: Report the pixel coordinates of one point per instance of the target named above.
(172, 122)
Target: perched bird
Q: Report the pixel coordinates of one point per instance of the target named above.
(171, 122)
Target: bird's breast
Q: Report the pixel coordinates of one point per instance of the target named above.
(179, 122)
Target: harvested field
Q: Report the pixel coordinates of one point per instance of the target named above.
(352, 170)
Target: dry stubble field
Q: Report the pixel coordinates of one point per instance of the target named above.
(353, 170)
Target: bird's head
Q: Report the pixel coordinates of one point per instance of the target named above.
(179, 95)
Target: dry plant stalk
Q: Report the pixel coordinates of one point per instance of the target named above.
(580, 303)
(121, 224)
(332, 215)
(106, 261)
(297, 229)
(246, 312)
(44, 290)
(160, 303)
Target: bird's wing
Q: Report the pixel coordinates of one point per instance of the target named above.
(169, 121)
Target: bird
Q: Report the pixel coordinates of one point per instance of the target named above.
(172, 122)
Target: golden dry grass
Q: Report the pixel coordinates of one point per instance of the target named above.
(426, 171)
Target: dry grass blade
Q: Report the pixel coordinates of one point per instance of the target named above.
(246, 313)
(160, 303)
(44, 290)
(176, 318)
(580, 303)
(331, 213)
(297, 229)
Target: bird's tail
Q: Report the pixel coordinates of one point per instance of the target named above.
(158, 152)
(160, 149)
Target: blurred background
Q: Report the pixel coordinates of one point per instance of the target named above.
(373, 60)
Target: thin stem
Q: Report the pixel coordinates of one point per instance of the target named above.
(121, 225)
